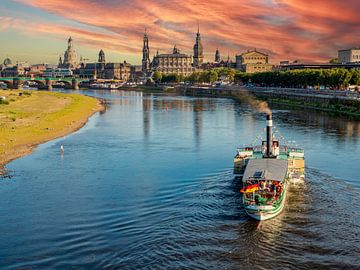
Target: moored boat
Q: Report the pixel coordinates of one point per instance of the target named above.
(266, 171)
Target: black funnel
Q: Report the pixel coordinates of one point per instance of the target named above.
(268, 135)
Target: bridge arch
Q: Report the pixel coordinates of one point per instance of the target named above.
(41, 84)
(9, 83)
(67, 83)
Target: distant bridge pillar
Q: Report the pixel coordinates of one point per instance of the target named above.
(75, 84)
(17, 83)
(48, 83)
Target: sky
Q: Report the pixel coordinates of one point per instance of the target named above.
(307, 30)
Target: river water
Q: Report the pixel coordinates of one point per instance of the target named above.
(148, 184)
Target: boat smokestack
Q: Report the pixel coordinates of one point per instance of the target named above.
(268, 135)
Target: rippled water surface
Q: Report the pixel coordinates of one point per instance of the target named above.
(148, 184)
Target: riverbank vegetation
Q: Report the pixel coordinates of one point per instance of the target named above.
(30, 118)
(335, 106)
(339, 78)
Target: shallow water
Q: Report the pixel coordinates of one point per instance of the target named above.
(148, 184)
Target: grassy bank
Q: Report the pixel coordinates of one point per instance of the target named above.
(334, 106)
(36, 117)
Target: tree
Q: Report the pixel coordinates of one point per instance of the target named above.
(212, 76)
(157, 76)
(334, 61)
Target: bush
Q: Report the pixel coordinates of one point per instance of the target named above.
(4, 101)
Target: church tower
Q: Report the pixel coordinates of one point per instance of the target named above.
(101, 65)
(101, 58)
(198, 51)
(217, 56)
(146, 54)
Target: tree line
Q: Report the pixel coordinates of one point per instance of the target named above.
(336, 78)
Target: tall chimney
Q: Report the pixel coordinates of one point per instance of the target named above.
(268, 135)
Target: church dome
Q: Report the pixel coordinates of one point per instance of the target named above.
(7, 62)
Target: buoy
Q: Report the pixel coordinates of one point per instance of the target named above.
(61, 149)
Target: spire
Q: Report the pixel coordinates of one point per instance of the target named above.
(146, 53)
(60, 61)
(198, 50)
(101, 58)
(70, 40)
(217, 55)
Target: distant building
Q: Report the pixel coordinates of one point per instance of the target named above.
(294, 66)
(9, 70)
(103, 70)
(253, 61)
(70, 57)
(136, 74)
(36, 70)
(221, 64)
(146, 54)
(57, 73)
(349, 56)
(14, 71)
(198, 51)
(176, 62)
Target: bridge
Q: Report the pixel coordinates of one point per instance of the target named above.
(43, 83)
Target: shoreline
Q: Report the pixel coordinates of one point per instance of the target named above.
(67, 127)
(335, 106)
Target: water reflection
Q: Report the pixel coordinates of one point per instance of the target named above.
(150, 180)
(344, 128)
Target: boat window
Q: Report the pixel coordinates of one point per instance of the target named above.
(258, 174)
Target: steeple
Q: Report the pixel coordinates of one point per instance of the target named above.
(70, 43)
(217, 56)
(176, 50)
(146, 53)
(101, 58)
(198, 50)
(60, 62)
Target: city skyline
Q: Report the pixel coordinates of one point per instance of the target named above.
(36, 30)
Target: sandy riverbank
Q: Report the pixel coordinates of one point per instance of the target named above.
(36, 117)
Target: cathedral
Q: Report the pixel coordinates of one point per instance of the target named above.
(175, 62)
(70, 57)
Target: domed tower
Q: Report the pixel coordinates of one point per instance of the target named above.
(70, 56)
(7, 62)
(198, 51)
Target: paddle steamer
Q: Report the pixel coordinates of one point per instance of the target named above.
(266, 171)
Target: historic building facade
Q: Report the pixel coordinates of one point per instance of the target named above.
(103, 70)
(198, 51)
(70, 57)
(253, 61)
(349, 56)
(176, 62)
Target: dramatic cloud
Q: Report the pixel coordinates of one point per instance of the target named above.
(286, 29)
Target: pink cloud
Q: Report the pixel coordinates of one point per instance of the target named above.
(286, 29)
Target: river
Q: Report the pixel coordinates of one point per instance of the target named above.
(148, 184)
